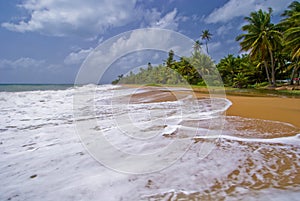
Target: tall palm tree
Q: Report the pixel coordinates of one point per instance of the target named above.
(291, 28)
(261, 39)
(197, 46)
(206, 35)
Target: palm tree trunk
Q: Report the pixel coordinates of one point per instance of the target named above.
(293, 73)
(267, 71)
(206, 47)
(292, 76)
(272, 69)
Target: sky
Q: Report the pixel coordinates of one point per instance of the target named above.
(47, 41)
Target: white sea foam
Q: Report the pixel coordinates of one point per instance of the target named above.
(42, 158)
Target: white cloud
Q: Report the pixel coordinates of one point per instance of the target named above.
(87, 18)
(169, 21)
(23, 62)
(224, 29)
(237, 8)
(149, 16)
(77, 57)
(64, 17)
(115, 48)
(214, 46)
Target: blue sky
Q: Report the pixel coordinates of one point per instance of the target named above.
(46, 41)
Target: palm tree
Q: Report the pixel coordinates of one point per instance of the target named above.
(240, 81)
(291, 28)
(197, 46)
(170, 59)
(262, 39)
(206, 36)
(294, 7)
(227, 68)
(292, 36)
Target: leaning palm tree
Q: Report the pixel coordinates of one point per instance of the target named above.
(262, 39)
(206, 36)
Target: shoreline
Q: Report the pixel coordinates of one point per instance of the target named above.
(282, 109)
(285, 110)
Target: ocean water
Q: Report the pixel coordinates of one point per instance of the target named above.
(32, 87)
(53, 145)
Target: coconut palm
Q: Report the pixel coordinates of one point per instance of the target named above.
(291, 28)
(261, 39)
(292, 36)
(227, 68)
(293, 8)
(197, 46)
(240, 81)
(206, 36)
(292, 25)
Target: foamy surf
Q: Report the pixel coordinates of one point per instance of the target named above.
(42, 158)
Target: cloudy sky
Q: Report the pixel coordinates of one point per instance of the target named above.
(46, 41)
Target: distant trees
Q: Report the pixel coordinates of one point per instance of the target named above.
(188, 70)
(273, 52)
(118, 80)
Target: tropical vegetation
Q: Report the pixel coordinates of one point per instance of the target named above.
(271, 54)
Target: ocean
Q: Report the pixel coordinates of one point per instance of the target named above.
(92, 142)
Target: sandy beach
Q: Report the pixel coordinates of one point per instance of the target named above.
(269, 108)
(281, 109)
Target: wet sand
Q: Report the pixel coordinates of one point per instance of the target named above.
(268, 108)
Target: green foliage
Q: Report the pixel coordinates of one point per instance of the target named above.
(117, 80)
(274, 51)
(188, 70)
(262, 38)
(230, 66)
(291, 29)
(240, 81)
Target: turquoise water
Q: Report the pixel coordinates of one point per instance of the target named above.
(33, 87)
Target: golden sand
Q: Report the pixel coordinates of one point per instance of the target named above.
(268, 108)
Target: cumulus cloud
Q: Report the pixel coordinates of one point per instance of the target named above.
(237, 8)
(23, 62)
(64, 17)
(88, 18)
(77, 57)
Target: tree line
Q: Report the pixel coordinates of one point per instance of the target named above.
(273, 52)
